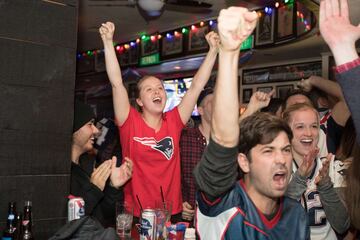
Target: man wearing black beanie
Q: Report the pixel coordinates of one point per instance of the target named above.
(100, 186)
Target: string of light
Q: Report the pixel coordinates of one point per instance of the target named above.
(269, 10)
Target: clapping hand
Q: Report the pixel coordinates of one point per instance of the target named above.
(120, 175)
(323, 175)
(308, 162)
(235, 24)
(100, 175)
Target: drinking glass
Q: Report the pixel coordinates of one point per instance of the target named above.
(166, 205)
(163, 215)
(124, 219)
(161, 232)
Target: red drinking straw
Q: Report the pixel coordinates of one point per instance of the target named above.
(162, 197)
(141, 208)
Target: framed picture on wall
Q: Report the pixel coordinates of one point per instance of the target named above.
(264, 89)
(285, 22)
(265, 29)
(100, 62)
(283, 90)
(197, 40)
(173, 44)
(124, 58)
(149, 47)
(304, 19)
(282, 73)
(246, 95)
(134, 55)
(256, 76)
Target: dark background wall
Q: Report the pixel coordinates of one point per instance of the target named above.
(37, 77)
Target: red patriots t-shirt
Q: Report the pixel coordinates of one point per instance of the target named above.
(156, 158)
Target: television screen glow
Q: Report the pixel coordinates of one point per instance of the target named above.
(175, 90)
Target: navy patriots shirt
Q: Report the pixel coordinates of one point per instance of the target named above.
(234, 216)
(231, 214)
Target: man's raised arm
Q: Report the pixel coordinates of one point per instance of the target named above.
(217, 171)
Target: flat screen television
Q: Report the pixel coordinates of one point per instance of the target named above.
(175, 90)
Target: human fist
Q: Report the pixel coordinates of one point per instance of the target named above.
(107, 31)
(235, 24)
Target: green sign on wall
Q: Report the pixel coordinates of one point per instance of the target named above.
(248, 43)
(150, 60)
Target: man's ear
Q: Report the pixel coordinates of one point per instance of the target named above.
(139, 102)
(243, 162)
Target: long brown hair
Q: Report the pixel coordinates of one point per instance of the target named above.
(347, 141)
(352, 190)
(349, 148)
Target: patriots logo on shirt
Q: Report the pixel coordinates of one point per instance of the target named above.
(165, 145)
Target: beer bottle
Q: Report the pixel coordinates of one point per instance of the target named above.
(10, 231)
(26, 232)
(18, 232)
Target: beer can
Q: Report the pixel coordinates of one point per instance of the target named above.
(148, 225)
(76, 208)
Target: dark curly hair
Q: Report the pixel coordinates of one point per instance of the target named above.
(260, 128)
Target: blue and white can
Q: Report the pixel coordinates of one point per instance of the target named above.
(76, 208)
(148, 225)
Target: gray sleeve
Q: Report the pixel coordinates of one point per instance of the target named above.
(350, 85)
(335, 209)
(297, 186)
(217, 171)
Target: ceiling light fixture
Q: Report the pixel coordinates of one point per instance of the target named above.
(150, 9)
